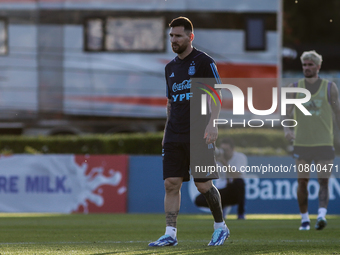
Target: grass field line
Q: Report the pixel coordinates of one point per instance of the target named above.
(28, 214)
(97, 242)
(190, 216)
(179, 242)
(82, 242)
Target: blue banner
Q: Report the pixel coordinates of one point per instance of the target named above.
(263, 195)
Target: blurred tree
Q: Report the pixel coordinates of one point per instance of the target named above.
(311, 21)
(312, 25)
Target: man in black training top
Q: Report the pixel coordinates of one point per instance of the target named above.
(189, 63)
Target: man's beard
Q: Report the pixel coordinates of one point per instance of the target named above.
(309, 74)
(180, 49)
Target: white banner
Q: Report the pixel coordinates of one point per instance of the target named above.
(56, 183)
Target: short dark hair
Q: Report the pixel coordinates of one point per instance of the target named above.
(182, 22)
(228, 140)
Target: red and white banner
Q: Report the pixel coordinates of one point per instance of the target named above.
(63, 183)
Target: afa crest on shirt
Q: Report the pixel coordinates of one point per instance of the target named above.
(192, 69)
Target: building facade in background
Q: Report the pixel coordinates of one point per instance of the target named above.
(97, 66)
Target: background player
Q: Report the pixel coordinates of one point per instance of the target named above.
(188, 63)
(313, 138)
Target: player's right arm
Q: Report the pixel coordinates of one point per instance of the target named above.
(335, 103)
(168, 109)
(168, 104)
(289, 133)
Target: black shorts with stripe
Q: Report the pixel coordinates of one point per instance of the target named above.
(315, 153)
(179, 158)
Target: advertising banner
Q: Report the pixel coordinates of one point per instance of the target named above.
(63, 183)
(263, 194)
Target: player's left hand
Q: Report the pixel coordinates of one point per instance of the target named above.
(210, 134)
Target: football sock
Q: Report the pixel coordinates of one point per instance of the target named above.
(304, 217)
(218, 225)
(171, 231)
(322, 212)
(214, 201)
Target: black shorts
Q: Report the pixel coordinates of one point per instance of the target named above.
(315, 153)
(177, 161)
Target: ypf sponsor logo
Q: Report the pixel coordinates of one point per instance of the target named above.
(186, 84)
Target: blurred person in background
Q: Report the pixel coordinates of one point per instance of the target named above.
(231, 184)
(313, 136)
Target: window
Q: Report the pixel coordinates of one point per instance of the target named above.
(125, 34)
(94, 35)
(255, 34)
(3, 37)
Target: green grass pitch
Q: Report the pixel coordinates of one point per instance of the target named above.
(103, 234)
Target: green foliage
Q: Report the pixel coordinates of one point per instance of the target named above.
(311, 21)
(257, 138)
(250, 141)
